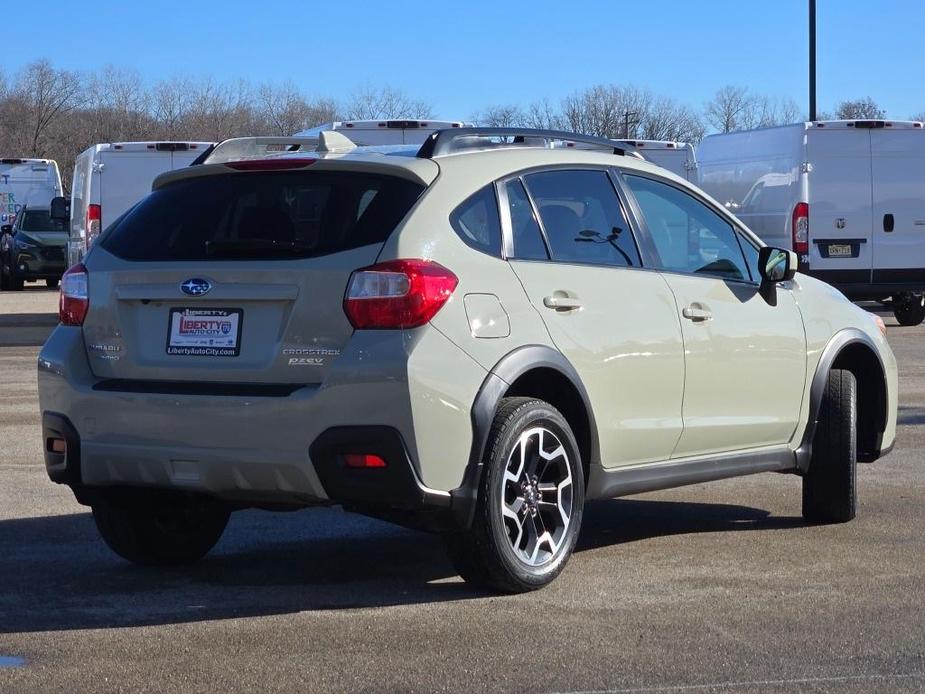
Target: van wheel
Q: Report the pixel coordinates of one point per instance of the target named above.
(830, 484)
(160, 530)
(909, 309)
(530, 501)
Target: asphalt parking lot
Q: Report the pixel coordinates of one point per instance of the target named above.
(717, 587)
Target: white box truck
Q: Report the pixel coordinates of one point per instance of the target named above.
(385, 132)
(111, 177)
(26, 182)
(847, 196)
(677, 157)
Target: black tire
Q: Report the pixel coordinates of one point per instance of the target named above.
(830, 484)
(487, 555)
(52, 284)
(13, 283)
(160, 530)
(909, 309)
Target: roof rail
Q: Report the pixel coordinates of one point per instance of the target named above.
(443, 142)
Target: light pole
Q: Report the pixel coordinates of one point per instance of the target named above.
(812, 60)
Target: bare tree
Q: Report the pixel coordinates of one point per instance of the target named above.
(545, 116)
(859, 109)
(735, 108)
(286, 111)
(501, 116)
(44, 94)
(371, 103)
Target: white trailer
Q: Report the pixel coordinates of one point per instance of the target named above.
(109, 178)
(847, 196)
(677, 157)
(26, 182)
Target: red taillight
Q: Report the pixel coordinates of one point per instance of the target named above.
(397, 294)
(94, 222)
(800, 226)
(74, 300)
(270, 164)
(363, 460)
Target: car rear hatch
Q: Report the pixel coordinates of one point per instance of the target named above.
(235, 274)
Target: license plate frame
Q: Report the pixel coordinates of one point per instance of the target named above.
(840, 250)
(206, 332)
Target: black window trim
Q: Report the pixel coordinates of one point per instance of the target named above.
(653, 259)
(507, 227)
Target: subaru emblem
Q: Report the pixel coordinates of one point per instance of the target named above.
(196, 286)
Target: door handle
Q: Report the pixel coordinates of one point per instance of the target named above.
(697, 313)
(888, 222)
(561, 303)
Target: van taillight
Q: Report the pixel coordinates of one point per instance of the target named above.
(801, 228)
(397, 294)
(94, 222)
(74, 299)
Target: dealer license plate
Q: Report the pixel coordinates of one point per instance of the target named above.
(205, 332)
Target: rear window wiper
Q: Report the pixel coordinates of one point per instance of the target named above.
(256, 248)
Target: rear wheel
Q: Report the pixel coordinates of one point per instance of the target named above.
(530, 501)
(830, 484)
(909, 309)
(160, 529)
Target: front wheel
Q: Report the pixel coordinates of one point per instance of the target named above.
(530, 501)
(909, 309)
(160, 530)
(830, 484)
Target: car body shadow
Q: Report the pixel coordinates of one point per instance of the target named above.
(56, 573)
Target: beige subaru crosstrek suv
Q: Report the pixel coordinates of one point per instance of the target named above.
(474, 338)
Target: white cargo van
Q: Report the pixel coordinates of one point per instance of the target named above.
(110, 178)
(385, 132)
(678, 157)
(32, 182)
(847, 196)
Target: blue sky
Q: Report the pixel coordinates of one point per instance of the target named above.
(462, 56)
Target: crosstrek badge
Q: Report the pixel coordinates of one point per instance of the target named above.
(205, 332)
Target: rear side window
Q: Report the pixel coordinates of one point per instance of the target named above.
(262, 215)
(582, 217)
(476, 221)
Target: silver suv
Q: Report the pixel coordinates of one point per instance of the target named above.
(474, 338)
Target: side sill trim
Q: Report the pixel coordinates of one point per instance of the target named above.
(607, 484)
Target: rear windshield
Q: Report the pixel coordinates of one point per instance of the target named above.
(40, 220)
(262, 215)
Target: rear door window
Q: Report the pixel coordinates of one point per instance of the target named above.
(582, 218)
(262, 215)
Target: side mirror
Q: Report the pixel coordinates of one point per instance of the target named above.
(776, 264)
(60, 209)
(6, 229)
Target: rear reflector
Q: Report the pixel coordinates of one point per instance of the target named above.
(363, 461)
(74, 299)
(397, 294)
(270, 164)
(57, 446)
(800, 226)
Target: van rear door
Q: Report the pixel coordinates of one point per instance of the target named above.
(898, 166)
(840, 216)
(126, 176)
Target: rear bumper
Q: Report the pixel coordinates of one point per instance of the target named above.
(255, 445)
(871, 284)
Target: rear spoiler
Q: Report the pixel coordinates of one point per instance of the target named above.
(240, 148)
